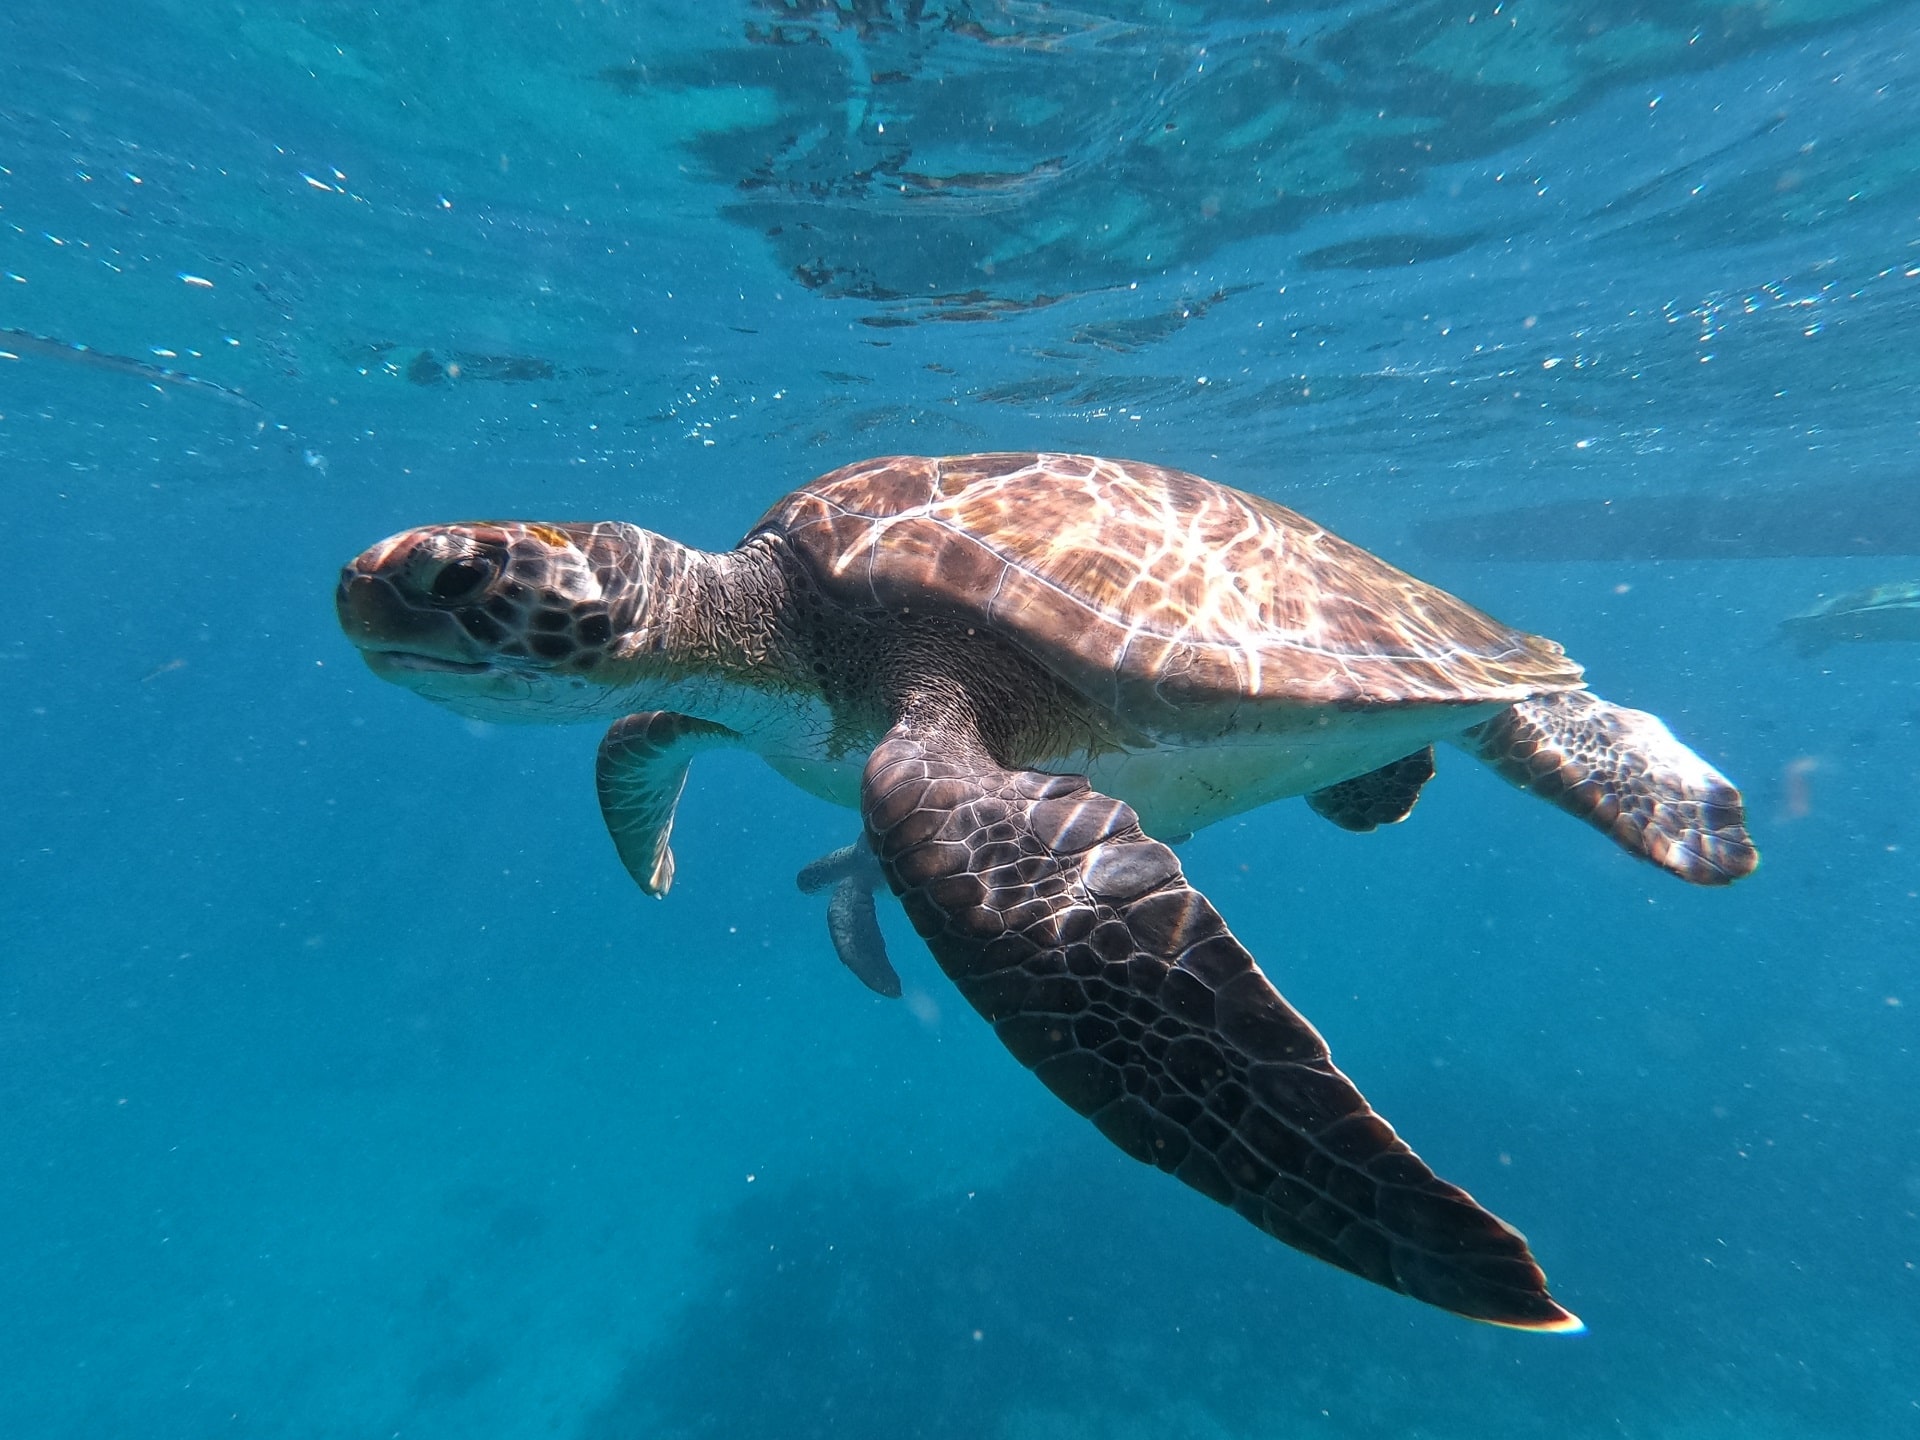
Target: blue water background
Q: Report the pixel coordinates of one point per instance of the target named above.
(349, 1088)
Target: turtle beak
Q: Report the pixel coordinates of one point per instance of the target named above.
(364, 602)
(390, 632)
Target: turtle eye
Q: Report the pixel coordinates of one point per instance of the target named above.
(463, 579)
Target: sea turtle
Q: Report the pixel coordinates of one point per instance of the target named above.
(1879, 612)
(1011, 664)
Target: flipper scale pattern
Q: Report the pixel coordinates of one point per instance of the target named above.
(1624, 773)
(1120, 986)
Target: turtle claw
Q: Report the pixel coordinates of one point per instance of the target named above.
(852, 923)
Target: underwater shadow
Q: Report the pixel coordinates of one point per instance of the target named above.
(838, 1307)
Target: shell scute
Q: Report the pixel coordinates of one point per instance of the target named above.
(1148, 587)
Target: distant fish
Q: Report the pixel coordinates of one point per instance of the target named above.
(1851, 517)
(1796, 787)
(1880, 612)
(16, 343)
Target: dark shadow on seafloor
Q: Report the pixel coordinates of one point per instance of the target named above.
(837, 1308)
(1056, 1304)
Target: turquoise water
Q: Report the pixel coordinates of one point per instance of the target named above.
(348, 1087)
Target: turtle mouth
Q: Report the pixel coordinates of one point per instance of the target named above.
(414, 660)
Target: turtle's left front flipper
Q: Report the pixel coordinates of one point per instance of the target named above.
(1121, 987)
(641, 771)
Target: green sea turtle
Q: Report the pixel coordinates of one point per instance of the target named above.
(1879, 612)
(1011, 664)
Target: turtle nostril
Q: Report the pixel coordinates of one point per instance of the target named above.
(462, 580)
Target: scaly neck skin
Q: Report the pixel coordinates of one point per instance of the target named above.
(706, 640)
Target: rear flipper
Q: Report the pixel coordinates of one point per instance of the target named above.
(852, 923)
(1622, 772)
(1380, 797)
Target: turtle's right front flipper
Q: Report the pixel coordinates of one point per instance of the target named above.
(1121, 987)
(641, 771)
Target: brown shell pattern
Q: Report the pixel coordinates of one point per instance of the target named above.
(1141, 585)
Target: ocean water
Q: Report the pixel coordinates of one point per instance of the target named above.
(348, 1087)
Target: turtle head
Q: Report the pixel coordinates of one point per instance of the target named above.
(503, 621)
